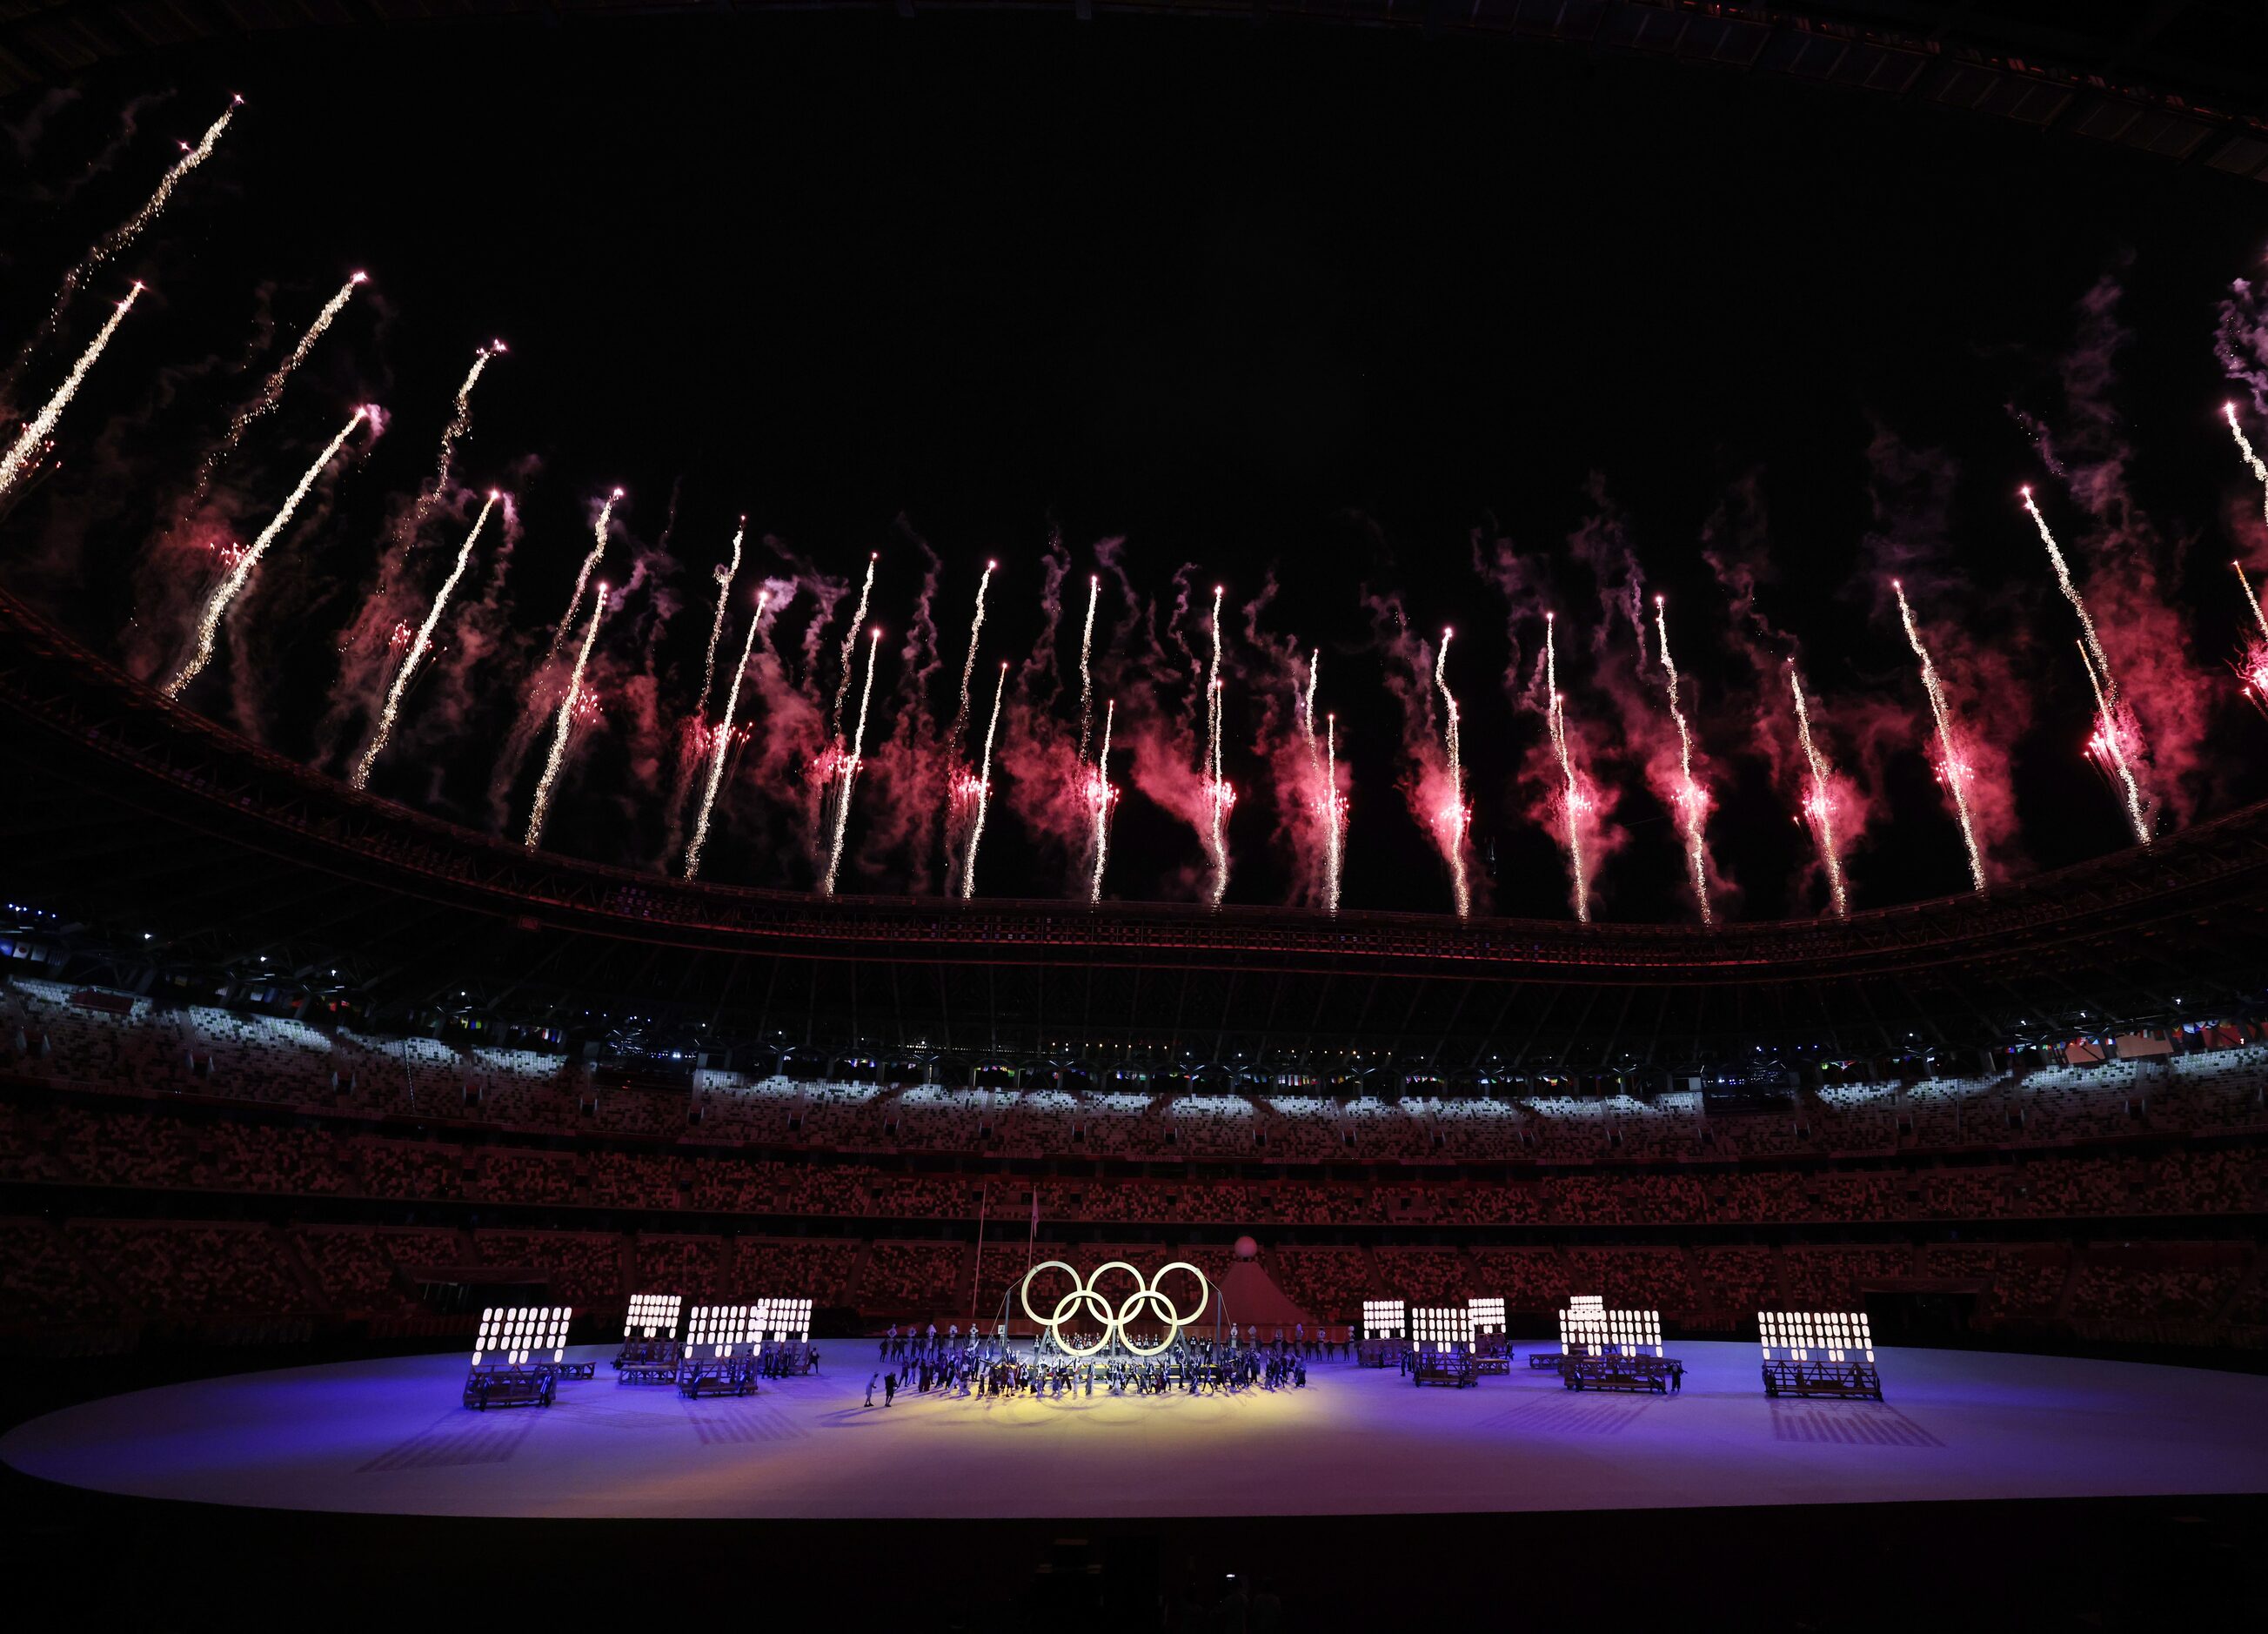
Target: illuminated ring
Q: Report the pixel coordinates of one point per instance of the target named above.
(1086, 1296)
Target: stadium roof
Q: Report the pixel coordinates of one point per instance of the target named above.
(2185, 80)
(159, 840)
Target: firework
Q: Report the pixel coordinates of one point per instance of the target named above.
(34, 437)
(721, 739)
(2117, 739)
(968, 666)
(984, 788)
(225, 592)
(119, 238)
(460, 427)
(417, 648)
(724, 576)
(1692, 803)
(1450, 822)
(1954, 766)
(1572, 803)
(272, 389)
(1100, 798)
(1323, 770)
(1819, 799)
(1218, 796)
(2244, 446)
(2253, 667)
(583, 574)
(1086, 674)
(847, 763)
(562, 725)
(850, 651)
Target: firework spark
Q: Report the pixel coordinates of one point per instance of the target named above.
(225, 592)
(968, 666)
(583, 574)
(847, 764)
(271, 390)
(1100, 798)
(1451, 821)
(1323, 772)
(2118, 739)
(1953, 764)
(721, 739)
(984, 788)
(1573, 803)
(33, 439)
(460, 427)
(563, 725)
(1693, 802)
(1218, 795)
(1819, 798)
(417, 648)
(724, 576)
(118, 238)
(1085, 673)
(850, 651)
(2244, 446)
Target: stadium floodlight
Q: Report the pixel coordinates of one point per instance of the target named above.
(1487, 1315)
(1441, 1328)
(509, 1334)
(1385, 1318)
(780, 1321)
(723, 1327)
(652, 1316)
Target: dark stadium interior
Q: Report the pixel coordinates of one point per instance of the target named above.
(1385, 315)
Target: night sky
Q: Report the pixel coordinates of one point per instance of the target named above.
(1327, 305)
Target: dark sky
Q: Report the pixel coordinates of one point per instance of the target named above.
(1323, 302)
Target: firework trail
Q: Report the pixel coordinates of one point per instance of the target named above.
(225, 592)
(1572, 800)
(1692, 803)
(984, 788)
(968, 666)
(1956, 765)
(562, 725)
(583, 574)
(119, 238)
(265, 400)
(29, 441)
(846, 767)
(1218, 795)
(1449, 824)
(1324, 768)
(417, 647)
(724, 576)
(460, 427)
(1819, 802)
(850, 658)
(721, 739)
(1102, 796)
(1085, 673)
(2252, 460)
(2116, 727)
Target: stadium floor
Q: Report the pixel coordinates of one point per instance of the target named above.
(386, 1437)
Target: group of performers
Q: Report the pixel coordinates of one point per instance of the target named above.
(986, 1365)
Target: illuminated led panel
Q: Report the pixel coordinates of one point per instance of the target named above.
(1384, 1318)
(1805, 1335)
(1634, 1333)
(1583, 1322)
(1441, 1328)
(722, 1327)
(652, 1316)
(779, 1320)
(1487, 1314)
(511, 1334)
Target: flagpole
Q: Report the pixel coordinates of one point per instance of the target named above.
(977, 1281)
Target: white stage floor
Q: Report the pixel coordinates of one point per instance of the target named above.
(388, 1436)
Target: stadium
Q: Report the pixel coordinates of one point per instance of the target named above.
(1823, 1155)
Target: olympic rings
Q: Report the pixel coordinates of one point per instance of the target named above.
(1086, 1296)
